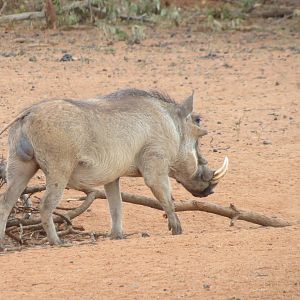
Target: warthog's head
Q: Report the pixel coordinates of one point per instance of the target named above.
(205, 179)
(192, 170)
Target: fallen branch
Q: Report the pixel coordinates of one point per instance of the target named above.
(34, 189)
(142, 18)
(230, 212)
(274, 12)
(23, 16)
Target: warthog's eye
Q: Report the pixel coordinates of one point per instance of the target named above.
(196, 119)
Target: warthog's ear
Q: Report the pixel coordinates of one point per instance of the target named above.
(187, 106)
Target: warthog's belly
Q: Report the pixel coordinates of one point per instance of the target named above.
(86, 177)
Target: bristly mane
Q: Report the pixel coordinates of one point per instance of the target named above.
(162, 96)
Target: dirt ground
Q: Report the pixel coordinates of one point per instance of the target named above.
(247, 88)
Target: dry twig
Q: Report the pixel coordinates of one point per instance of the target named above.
(3, 8)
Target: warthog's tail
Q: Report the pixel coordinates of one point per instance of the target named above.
(22, 115)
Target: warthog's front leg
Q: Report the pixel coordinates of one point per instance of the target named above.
(161, 190)
(112, 191)
(157, 179)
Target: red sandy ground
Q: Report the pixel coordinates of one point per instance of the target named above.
(247, 93)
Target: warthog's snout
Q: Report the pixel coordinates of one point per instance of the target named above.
(205, 180)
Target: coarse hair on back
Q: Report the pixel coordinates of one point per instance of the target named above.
(132, 92)
(123, 93)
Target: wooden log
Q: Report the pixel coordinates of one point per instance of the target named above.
(274, 12)
(23, 16)
(230, 212)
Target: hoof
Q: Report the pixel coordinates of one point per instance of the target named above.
(174, 225)
(62, 243)
(177, 230)
(57, 242)
(116, 236)
(2, 248)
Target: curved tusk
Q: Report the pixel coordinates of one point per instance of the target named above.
(220, 173)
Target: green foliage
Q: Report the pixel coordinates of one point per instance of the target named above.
(57, 4)
(113, 33)
(222, 12)
(110, 15)
(72, 19)
(134, 34)
(22, 8)
(137, 34)
(224, 17)
(248, 5)
(108, 9)
(138, 8)
(146, 8)
(172, 14)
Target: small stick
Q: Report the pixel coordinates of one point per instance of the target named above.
(3, 8)
(14, 237)
(65, 208)
(65, 218)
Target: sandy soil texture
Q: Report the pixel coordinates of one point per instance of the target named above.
(247, 89)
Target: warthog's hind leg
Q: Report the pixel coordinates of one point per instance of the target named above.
(114, 199)
(18, 175)
(54, 192)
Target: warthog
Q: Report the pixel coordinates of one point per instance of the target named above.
(83, 144)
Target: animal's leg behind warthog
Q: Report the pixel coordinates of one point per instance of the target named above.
(18, 175)
(157, 179)
(112, 191)
(54, 192)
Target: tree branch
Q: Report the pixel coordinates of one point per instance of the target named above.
(196, 205)
(230, 212)
(23, 16)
